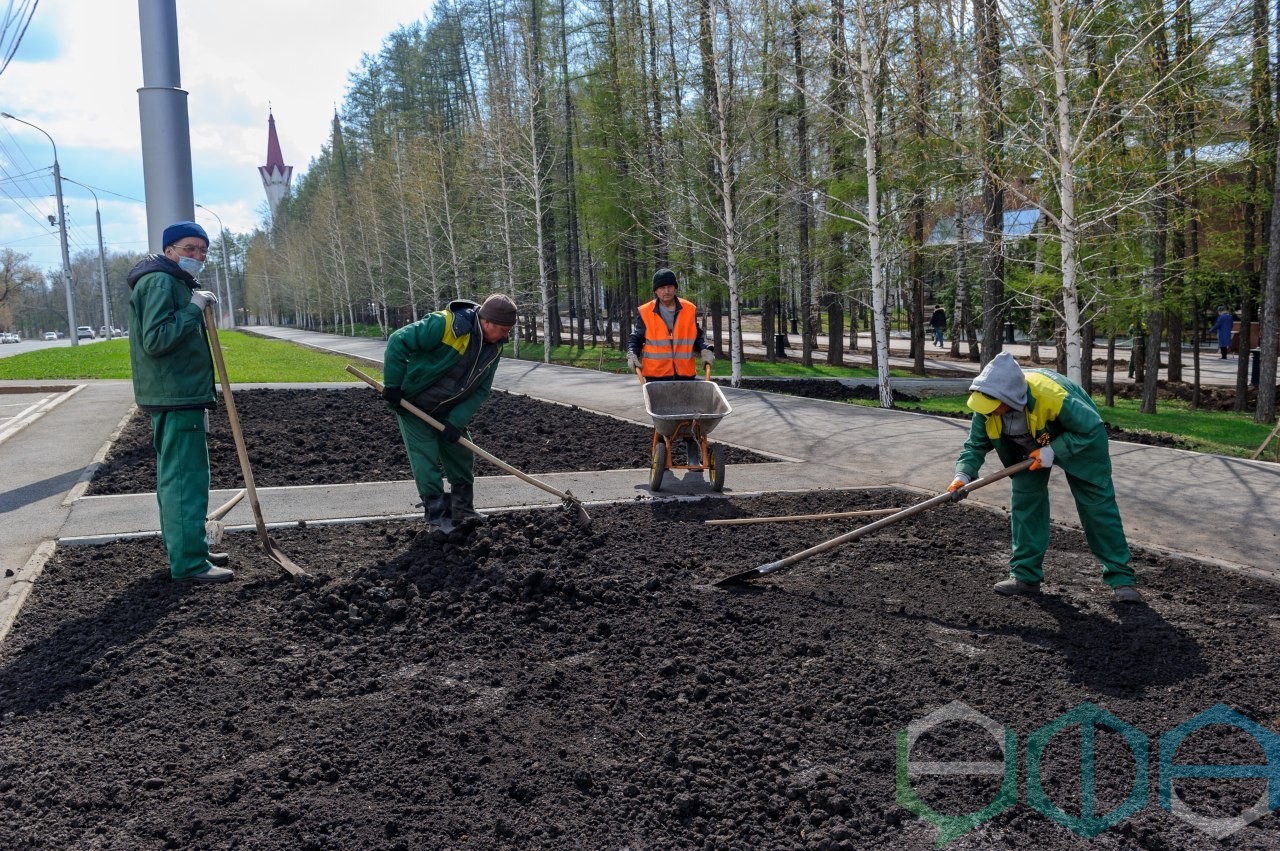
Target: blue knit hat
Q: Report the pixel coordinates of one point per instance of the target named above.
(178, 230)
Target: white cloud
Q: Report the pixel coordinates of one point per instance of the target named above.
(77, 73)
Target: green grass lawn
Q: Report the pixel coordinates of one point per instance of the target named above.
(1218, 432)
(253, 359)
(249, 359)
(607, 359)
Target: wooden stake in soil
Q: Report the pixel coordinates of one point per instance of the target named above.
(269, 546)
(214, 528)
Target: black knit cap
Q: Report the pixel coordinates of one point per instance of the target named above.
(664, 278)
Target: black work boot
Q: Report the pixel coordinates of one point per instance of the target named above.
(439, 523)
(462, 507)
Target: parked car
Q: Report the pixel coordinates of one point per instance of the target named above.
(84, 332)
(51, 335)
(115, 332)
(9, 337)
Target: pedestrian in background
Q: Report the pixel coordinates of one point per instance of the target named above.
(1048, 418)
(1222, 326)
(938, 322)
(444, 364)
(173, 381)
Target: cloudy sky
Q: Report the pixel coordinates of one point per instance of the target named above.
(76, 76)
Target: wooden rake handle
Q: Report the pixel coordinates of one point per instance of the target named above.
(492, 459)
(771, 567)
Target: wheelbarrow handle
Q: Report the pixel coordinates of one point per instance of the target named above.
(640, 375)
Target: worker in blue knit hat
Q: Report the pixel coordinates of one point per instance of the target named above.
(173, 382)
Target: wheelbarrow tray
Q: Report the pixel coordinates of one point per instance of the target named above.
(671, 403)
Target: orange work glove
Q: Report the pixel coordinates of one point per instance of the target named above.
(957, 487)
(1042, 458)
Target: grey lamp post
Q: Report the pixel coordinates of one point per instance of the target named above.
(62, 229)
(102, 258)
(226, 270)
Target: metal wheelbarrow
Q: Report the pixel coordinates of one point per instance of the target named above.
(685, 410)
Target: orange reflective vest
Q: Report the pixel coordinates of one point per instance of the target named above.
(669, 353)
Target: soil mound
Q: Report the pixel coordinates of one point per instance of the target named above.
(321, 437)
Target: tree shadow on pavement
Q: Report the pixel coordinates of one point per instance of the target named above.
(25, 495)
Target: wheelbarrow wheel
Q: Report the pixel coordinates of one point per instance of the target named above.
(717, 453)
(658, 466)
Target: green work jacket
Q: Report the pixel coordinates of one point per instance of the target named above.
(421, 353)
(169, 351)
(1058, 407)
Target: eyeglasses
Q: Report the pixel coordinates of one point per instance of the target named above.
(192, 250)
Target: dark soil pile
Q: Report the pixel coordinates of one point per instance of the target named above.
(531, 685)
(322, 437)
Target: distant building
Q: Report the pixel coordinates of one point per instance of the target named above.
(1018, 224)
(275, 174)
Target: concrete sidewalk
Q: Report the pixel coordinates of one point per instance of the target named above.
(1213, 508)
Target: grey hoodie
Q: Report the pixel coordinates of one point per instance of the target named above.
(1002, 379)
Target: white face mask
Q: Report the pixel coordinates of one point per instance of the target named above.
(191, 266)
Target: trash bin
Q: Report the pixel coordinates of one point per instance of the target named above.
(1008, 332)
(1255, 365)
(780, 345)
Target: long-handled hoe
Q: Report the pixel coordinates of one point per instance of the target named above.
(268, 546)
(940, 499)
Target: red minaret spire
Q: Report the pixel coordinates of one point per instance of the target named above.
(275, 174)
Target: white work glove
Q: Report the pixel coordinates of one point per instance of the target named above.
(203, 298)
(1042, 458)
(632, 361)
(957, 487)
(708, 356)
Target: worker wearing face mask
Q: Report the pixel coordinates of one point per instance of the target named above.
(173, 382)
(1047, 417)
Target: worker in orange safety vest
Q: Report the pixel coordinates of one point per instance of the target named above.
(666, 342)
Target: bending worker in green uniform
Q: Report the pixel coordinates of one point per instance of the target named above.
(444, 364)
(173, 379)
(1049, 418)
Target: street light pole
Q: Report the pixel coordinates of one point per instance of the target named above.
(102, 258)
(62, 229)
(226, 270)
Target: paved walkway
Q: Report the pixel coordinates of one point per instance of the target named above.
(1214, 508)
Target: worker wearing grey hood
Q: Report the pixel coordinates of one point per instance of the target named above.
(1047, 417)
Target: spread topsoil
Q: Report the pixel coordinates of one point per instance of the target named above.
(324, 437)
(528, 684)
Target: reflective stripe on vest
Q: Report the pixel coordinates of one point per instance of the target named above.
(666, 353)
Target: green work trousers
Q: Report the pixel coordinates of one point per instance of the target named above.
(182, 487)
(429, 453)
(1099, 517)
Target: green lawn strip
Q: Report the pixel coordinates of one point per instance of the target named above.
(608, 359)
(250, 360)
(1217, 432)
